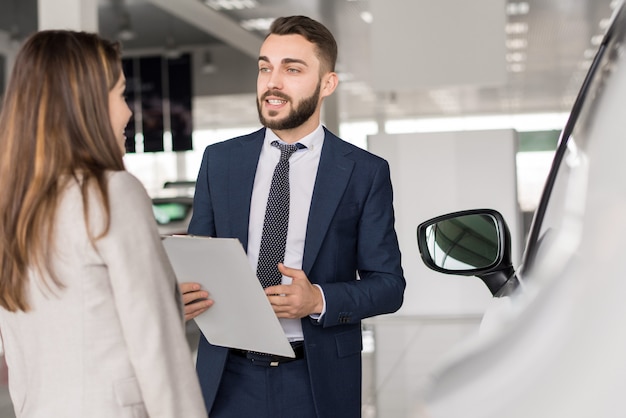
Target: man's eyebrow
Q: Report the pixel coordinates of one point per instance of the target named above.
(285, 60)
(294, 61)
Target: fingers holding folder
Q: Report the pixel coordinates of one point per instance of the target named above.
(195, 299)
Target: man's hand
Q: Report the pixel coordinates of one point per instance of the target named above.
(296, 300)
(196, 300)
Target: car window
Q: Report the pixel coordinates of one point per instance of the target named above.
(557, 228)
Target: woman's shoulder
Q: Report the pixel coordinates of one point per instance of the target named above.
(129, 202)
(124, 181)
(116, 181)
(126, 190)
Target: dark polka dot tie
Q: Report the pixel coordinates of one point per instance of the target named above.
(274, 236)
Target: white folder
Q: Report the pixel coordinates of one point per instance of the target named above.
(241, 315)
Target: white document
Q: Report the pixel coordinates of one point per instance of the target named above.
(241, 315)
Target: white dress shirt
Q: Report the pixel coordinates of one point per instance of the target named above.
(302, 173)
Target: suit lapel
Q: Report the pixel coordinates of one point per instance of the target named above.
(242, 162)
(332, 178)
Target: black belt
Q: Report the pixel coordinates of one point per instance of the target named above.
(271, 360)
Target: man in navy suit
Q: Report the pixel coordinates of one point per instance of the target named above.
(342, 261)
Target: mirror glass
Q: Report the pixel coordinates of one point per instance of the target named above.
(463, 243)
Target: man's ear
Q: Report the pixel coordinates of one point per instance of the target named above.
(329, 84)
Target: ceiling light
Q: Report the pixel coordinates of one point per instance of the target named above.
(517, 9)
(355, 87)
(589, 53)
(125, 30)
(515, 57)
(367, 17)
(262, 25)
(596, 40)
(447, 100)
(231, 4)
(516, 28)
(125, 34)
(604, 24)
(208, 66)
(171, 49)
(345, 77)
(516, 67)
(516, 43)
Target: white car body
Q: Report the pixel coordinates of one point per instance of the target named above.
(556, 346)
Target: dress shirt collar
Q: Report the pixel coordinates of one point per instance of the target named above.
(312, 141)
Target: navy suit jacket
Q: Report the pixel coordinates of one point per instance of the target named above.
(350, 230)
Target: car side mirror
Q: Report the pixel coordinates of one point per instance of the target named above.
(470, 243)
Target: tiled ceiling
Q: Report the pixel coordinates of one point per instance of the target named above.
(546, 61)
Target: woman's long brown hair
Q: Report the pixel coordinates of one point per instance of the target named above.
(54, 125)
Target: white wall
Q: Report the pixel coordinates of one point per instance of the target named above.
(437, 173)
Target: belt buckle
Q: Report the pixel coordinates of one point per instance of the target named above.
(270, 362)
(253, 359)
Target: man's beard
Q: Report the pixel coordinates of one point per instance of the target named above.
(298, 115)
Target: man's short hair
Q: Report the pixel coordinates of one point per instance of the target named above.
(314, 32)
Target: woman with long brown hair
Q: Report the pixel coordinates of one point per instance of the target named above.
(90, 312)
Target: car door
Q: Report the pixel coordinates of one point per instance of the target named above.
(560, 350)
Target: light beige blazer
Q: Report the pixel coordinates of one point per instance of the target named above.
(111, 343)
